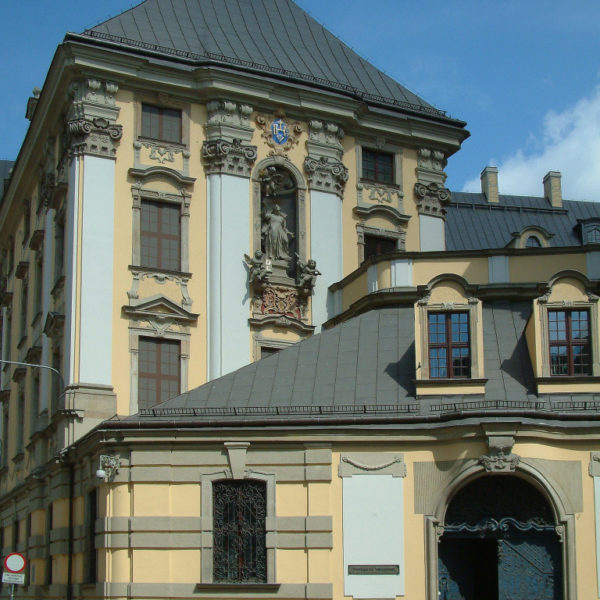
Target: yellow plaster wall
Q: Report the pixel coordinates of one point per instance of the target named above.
(543, 267)
(356, 289)
(151, 499)
(474, 270)
(292, 565)
(292, 500)
(409, 179)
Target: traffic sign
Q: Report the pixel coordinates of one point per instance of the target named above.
(18, 578)
(14, 563)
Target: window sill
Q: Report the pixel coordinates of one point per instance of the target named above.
(366, 181)
(449, 386)
(237, 587)
(569, 379)
(158, 271)
(163, 143)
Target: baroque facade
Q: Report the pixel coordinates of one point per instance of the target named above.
(253, 347)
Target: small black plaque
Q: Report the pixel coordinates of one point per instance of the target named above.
(373, 569)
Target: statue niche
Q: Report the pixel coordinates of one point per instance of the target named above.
(279, 222)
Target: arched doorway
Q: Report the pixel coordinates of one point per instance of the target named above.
(499, 542)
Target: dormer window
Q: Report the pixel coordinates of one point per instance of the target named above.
(533, 241)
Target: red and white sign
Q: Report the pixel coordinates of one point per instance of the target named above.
(14, 563)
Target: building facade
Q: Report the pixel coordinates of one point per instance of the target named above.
(198, 192)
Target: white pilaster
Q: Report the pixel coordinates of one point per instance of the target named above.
(326, 249)
(97, 249)
(402, 273)
(372, 283)
(228, 239)
(498, 269)
(432, 233)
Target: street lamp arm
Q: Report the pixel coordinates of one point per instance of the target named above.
(25, 364)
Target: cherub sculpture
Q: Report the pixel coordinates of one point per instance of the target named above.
(258, 271)
(308, 274)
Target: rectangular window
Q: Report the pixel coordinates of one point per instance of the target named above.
(449, 344)
(376, 245)
(161, 123)
(378, 166)
(239, 531)
(160, 236)
(159, 373)
(38, 286)
(569, 340)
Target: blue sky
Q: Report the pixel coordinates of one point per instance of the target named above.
(524, 74)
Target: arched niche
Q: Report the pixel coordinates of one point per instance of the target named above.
(279, 215)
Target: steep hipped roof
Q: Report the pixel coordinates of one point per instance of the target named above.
(364, 368)
(274, 37)
(473, 223)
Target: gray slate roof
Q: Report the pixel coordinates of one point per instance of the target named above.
(472, 223)
(274, 37)
(365, 367)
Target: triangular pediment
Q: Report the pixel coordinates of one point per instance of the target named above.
(160, 307)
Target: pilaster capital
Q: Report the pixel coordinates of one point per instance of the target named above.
(430, 166)
(230, 158)
(97, 137)
(431, 199)
(325, 139)
(326, 174)
(229, 121)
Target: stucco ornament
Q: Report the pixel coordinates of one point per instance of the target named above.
(278, 135)
(431, 199)
(501, 462)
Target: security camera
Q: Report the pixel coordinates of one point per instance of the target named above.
(101, 474)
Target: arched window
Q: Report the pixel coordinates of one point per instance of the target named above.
(239, 531)
(594, 236)
(533, 241)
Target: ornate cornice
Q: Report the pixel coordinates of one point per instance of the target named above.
(324, 139)
(96, 137)
(54, 325)
(431, 199)
(230, 158)
(228, 120)
(430, 166)
(326, 174)
(91, 118)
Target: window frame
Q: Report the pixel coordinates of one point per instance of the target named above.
(161, 118)
(207, 540)
(569, 342)
(160, 237)
(471, 305)
(376, 153)
(157, 374)
(183, 200)
(449, 344)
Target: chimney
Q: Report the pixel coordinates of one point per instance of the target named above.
(489, 183)
(552, 190)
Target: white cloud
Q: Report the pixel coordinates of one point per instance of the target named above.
(569, 143)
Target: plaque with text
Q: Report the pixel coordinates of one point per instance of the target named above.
(373, 569)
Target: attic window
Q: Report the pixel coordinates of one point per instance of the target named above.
(533, 241)
(593, 236)
(377, 166)
(160, 123)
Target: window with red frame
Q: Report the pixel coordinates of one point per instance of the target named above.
(449, 345)
(569, 340)
(160, 123)
(160, 236)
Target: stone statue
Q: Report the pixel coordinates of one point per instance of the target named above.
(308, 275)
(258, 273)
(276, 234)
